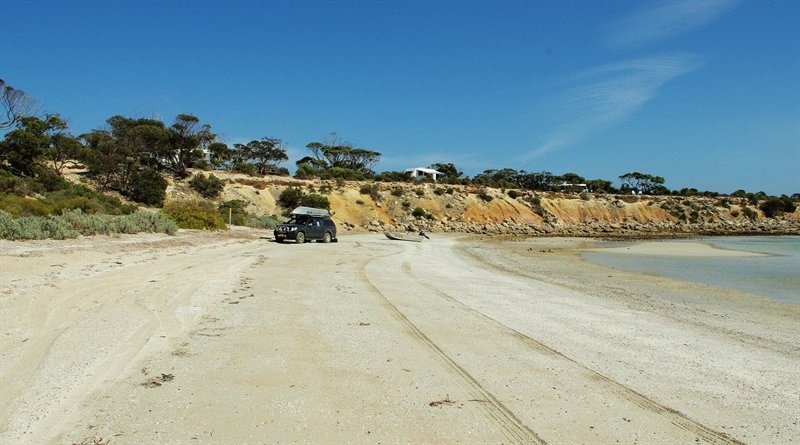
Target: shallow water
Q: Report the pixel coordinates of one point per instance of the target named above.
(776, 276)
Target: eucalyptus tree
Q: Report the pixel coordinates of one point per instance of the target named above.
(187, 142)
(38, 142)
(264, 154)
(16, 104)
(641, 182)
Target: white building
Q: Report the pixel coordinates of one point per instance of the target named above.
(419, 173)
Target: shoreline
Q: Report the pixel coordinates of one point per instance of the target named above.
(460, 339)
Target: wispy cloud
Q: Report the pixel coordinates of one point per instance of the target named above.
(598, 98)
(663, 20)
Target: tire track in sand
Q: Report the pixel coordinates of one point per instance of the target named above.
(513, 428)
(674, 416)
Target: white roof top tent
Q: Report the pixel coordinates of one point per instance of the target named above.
(310, 211)
(419, 172)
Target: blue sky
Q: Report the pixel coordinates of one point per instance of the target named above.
(703, 93)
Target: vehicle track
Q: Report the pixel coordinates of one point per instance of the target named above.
(674, 416)
(513, 428)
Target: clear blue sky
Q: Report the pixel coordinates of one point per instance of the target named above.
(703, 93)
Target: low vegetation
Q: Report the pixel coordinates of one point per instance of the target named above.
(195, 215)
(73, 223)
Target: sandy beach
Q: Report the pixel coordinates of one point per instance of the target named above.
(222, 338)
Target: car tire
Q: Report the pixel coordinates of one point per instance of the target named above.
(301, 238)
(327, 237)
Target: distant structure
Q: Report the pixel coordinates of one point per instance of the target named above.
(565, 186)
(419, 173)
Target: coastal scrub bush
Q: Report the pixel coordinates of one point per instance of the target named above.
(207, 186)
(420, 192)
(74, 222)
(234, 212)
(773, 207)
(147, 187)
(290, 197)
(316, 200)
(585, 196)
(484, 195)
(195, 215)
(397, 191)
(750, 213)
(513, 194)
(419, 212)
(735, 213)
(438, 191)
(34, 227)
(360, 202)
(372, 190)
(261, 222)
(406, 204)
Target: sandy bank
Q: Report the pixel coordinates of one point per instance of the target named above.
(679, 248)
(231, 338)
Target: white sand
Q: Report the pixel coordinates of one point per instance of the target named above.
(229, 338)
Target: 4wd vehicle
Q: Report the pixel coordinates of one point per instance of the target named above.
(306, 224)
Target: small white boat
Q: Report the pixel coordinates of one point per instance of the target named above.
(405, 236)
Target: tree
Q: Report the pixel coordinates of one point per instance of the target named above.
(187, 140)
(17, 105)
(339, 159)
(600, 186)
(640, 182)
(37, 140)
(536, 181)
(113, 154)
(448, 170)
(219, 154)
(264, 154)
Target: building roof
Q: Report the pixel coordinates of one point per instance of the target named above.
(429, 171)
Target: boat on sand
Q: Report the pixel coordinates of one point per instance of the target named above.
(405, 236)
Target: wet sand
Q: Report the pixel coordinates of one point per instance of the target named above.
(231, 338)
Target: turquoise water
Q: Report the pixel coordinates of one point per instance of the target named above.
(776, 276)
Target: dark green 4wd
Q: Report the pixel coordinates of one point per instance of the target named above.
(307, 224)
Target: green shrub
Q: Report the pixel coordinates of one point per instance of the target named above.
(419, 212)
(406, 204)
(147, 187)
(360, 202)
(372, 190)
(735, 213)
(773, 207)
(397, 191)
(316, 200)
(234, 212)
(750, 213)
(484, 195)
(195, 215)
(244, 167)
(438, 191)
(420, 192)
(35, 227)
(261, 222)
(513, 194)
(207, 186)
(585, 196)
(290, 198)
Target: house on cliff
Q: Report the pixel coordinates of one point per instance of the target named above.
(420, 173)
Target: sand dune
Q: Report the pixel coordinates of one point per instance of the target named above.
(231, 338)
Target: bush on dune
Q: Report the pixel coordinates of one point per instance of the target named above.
(73, 223)
(202, 215)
